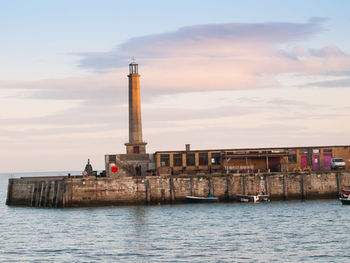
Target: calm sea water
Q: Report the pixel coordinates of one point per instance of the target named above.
(311, 231)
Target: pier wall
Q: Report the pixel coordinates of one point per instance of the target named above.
(76, 192)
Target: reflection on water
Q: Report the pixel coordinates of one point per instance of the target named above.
(139, 222)
(226, 232)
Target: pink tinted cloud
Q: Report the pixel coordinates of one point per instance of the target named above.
(203, 40)
(223, 56)
(199, 58)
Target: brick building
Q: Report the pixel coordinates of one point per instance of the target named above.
(260, 159)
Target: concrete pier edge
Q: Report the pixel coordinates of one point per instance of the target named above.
(66, 192)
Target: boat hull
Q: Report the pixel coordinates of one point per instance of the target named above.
(197, 199)
(345, 201)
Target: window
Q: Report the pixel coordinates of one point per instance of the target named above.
(327, 152)
(292, 156)
(136, 149)
(177, 159)
(112, 158)
(190, 159)
(164, 160)
(203, 159)
(215, 158)
(303, 152)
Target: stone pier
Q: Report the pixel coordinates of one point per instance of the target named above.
(76, 192)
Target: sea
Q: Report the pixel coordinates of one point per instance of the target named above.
(290, 231)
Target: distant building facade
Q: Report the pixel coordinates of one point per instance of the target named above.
(284, 159)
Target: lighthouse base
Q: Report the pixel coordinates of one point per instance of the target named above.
(136, 148)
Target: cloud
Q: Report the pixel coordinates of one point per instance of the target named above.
(197, 58)
(338, 83)
(329, 51)
(210, 40)
(222, 56)
(287, 102)
(104, 86)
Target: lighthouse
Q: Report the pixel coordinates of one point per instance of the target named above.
(135, 145)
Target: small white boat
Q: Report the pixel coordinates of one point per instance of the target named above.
(345, 192)
(253, 198)
(345, 195)
(345, 200)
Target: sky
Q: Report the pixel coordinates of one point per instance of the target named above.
(214, 74)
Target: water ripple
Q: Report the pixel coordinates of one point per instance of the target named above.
(311, 231)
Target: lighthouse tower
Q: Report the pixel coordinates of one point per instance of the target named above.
(135, 145)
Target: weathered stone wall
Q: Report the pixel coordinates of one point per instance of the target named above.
(74, 192)
(85, 192)
(38, 192)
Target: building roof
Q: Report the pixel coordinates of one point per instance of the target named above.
(255, 149)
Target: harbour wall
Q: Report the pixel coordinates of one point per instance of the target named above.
(77, 192)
